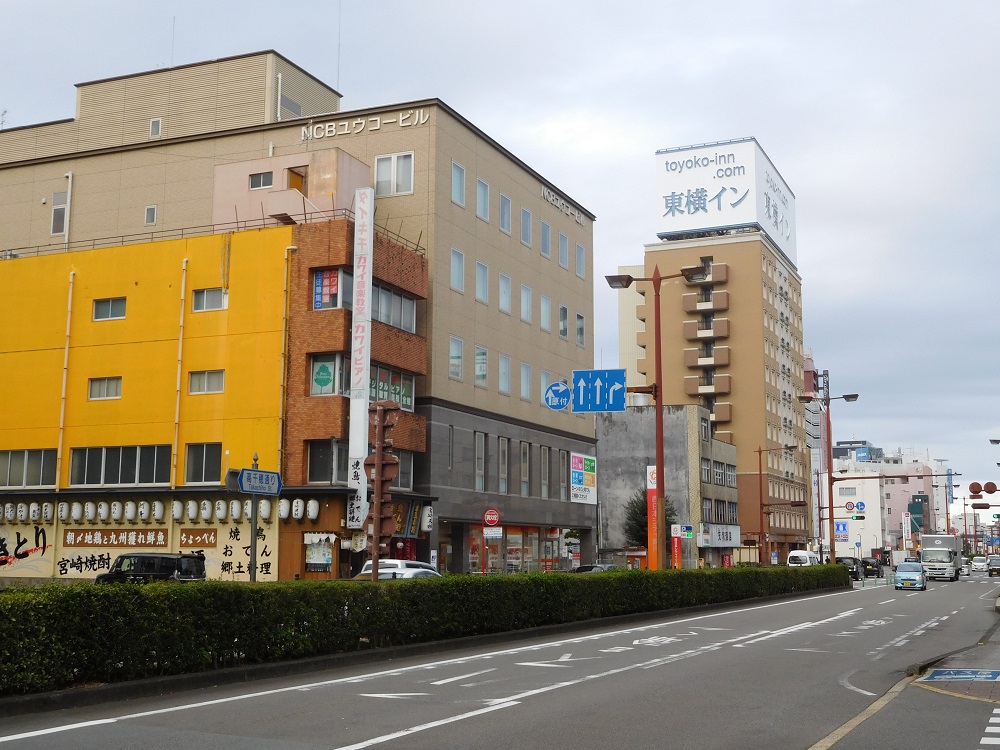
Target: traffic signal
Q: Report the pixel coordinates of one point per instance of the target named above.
(996, 515)
(857, 518)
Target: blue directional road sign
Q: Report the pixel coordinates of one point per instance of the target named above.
(598, 390)
(255, 482)
(860, 506)
(557, 395)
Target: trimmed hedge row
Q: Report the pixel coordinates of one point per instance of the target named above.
(56, 637)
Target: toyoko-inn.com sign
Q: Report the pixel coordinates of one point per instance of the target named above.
(720, 186)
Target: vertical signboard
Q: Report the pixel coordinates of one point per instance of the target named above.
(361, 351)
(652, 554)
(583, 479)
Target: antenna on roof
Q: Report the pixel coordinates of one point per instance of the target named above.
(173, 30)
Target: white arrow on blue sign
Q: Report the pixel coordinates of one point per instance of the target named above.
(557, 395)
(598, 390)
(860, 506)
(256, 482)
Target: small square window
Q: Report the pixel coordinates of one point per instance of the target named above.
(155, 126)
(102, 389)
(208, 299)
(261, 180)
(206, 381)
(150, 215)
(109, 309)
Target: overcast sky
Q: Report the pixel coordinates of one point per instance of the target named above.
(882, 117)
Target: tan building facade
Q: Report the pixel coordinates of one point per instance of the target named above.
(732, 342)
(254, 141)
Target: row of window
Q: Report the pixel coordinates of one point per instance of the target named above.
(330, 375)
(202, 300)
(334, 288)
(199, 382)
(505, 294)
(719, 511)
(456, 371)
(503, 465)
(328, 461)
(527, 238)
(718, 472)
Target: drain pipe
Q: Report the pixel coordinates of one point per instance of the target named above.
(69, 205)
(180, 372)
(284, 356)
(65, 374)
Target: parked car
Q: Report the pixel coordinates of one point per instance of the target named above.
(872, 566)
(596, 568)
(392, 573)
(799, 557)
(910, 575)
(979, 564)
(396, 565)
(993, 565)
(143, 567)
(854, 566)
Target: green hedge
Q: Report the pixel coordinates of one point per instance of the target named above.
(54, 637)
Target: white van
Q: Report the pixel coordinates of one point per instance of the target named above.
(798, 557)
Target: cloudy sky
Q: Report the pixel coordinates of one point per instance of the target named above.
(881, 116)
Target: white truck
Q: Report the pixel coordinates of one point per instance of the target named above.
(941, 555)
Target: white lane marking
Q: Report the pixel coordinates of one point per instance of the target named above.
(809, 650)
(560, 662)
(845, 682)
(804, 626)
(463, 676)
(422, 727)
(616, 649)
(53, 730)
(887, 601)
(397, 696)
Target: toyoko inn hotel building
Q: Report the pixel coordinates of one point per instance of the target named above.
(213, 262)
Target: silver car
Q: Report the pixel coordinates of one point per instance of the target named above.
(910, 575)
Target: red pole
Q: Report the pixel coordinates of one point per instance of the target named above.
(661, 535)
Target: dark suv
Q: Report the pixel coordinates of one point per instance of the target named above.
(993, 565)
(143, 567)
(872, 566)
(853, 566)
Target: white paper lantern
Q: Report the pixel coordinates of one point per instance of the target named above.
(117, 509)
(63, 511)
(159, 510)
(103, 511)
(144, 511)
(265, 510)
(90, 512)
(177, 510)
(77, 512)
(312, 510)
(235, 510)
(206, 510)
(427, 518)
(48, 511)
(284, 504)
(131, 510)
(35, 512)
(192, 510)
(220, 510)
(22, 512)
(298, 508)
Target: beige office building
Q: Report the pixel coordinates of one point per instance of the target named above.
(254, 141)
(732, 342)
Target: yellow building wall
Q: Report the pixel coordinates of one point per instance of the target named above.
(158, 281)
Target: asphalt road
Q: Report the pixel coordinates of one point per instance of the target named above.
(825, 671)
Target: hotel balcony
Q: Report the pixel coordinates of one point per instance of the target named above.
(696, 302)
(717, 274)
(723, 412)
(699, 385)
(719, 329)
(697, 358)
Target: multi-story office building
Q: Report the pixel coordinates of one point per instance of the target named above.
(731, 338)
(485, 291)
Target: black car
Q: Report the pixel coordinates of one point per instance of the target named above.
(854, 566)
(143, 567)
(993, 565)
(872, 566)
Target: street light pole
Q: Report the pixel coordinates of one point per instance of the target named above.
(656, 538)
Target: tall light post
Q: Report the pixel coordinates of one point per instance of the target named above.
(825, 398)
(763, 545)
(656, 539)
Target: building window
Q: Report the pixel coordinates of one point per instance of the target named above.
(706, 470)
(386, 384)
(525, 469)
(105, 388)
(526, 381)
(544, 381)
(545, 468)
(545, 313)
(332, 288)
(503, 384)
(525, 303)
(458, 184)
(150, 218)
(505, 293)
(706, 510)
(394, 174)
(581, 332)
(526, 227)
(705, 429)
(59, 212)
(455, 358)
(404, 479)
(329, 374)
(545, 241)
(482, 282)
(720, 511)
(155, 127)
(847, 491)
(204, 463)
(732, 513)
(109, 309)
(503, 465)
(457, 270)
(209, 299)
(481, 365)
(563, 475)
(291, 106)
(327, 462)
(581, 262)
(120, 465)
(719, 470)
(563, 321)
(504, 214)
(392, 308)
(563, 250)
(206, 381)
(261, 180)
(480, 440)
(483, 199)
(28, 468)
(730, 475)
